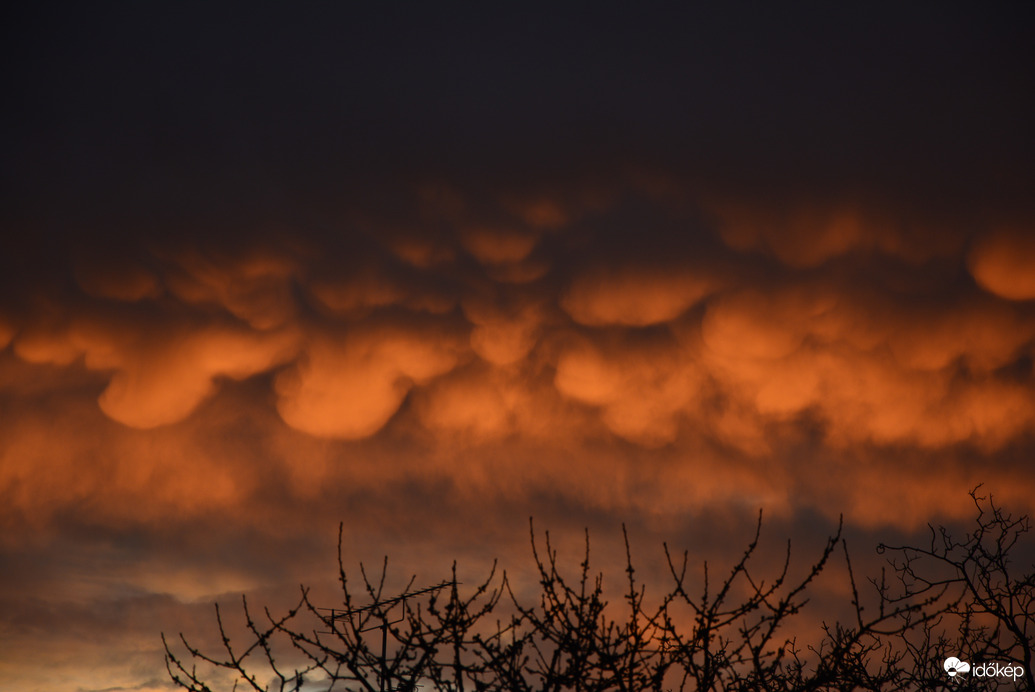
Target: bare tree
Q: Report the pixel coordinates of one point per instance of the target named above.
(946, 598)
(981, 603)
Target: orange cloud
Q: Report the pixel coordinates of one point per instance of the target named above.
(643, 390)
(415, 387)
(804, 235)
(475, 406)
(877, 488)
(358, 292)
(161, 383)
(498, 245)
(1003, 263)
(583, 373)
(542, 213)
(112, 475)
(886, 376)
(348, 386)
(865, 398)
(750, 324)
(421, 251)
(367, 288)
(503, 342)
(160, 371)
(634, 296)
(478, 404)
(803, 238)
(45, 344)
(502, 335)
(254, 286)
(6, 334)
(985, 334)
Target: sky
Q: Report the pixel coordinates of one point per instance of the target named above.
(429, 271)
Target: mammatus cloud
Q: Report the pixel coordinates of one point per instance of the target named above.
(643, 391)
(496, 246)
(245, 395)
(708, 340)
(634, 296)
(803, 234)
(348, 385)
(166, 384)
(503, 334)
(1002, 262)
(160, 371)
(749, 324)
(253, 284)
(880, 373)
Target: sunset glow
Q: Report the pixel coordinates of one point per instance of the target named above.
(279, 284)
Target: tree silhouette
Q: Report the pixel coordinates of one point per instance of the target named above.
(950, 597)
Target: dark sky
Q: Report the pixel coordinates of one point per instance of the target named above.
(176, 105)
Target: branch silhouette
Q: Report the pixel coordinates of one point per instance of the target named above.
(953, 596)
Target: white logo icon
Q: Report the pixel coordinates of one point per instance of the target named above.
(953, 666)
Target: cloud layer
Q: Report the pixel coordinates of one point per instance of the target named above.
(708, 343)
